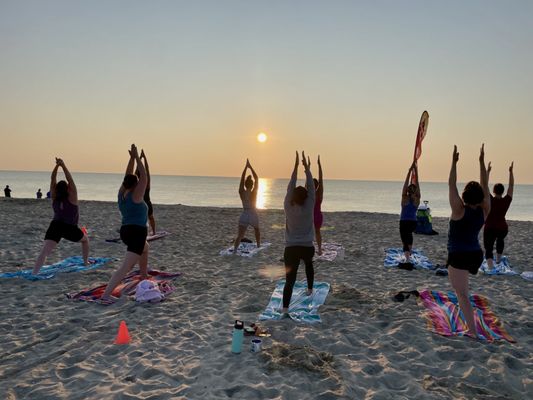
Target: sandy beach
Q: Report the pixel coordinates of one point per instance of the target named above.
(366, 347)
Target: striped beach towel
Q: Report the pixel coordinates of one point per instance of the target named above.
(395, 256)
(70, 264)
(444, 317)
(302, 308)
(127, 286)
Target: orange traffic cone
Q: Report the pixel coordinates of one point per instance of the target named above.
(123, 336)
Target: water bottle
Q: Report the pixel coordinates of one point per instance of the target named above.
(238, 336)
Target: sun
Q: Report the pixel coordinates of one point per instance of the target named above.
(262, 137)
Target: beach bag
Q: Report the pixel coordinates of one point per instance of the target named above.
(148, 291)
(424, 224)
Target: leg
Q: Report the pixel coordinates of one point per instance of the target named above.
(257, 236)
(48, 247)
(143, 261)
(309, 270)
(240, 235)
(318, 237)
(292, 260)
(85, 249)
(152, 223)
(500, 244)
(489, 238)
(459, 280)
(407, 239)
(129, 261)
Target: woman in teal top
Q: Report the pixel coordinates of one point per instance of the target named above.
(133, 231)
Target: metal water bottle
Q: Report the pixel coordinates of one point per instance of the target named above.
(238, 336)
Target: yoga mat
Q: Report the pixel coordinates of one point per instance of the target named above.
(444, 317)
(302, 308)
(127, 286)
(330, 252)
(245, 249)
(70, 264)
(502, 268)
(393, 257)
(149, 238)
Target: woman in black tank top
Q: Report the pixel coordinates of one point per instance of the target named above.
(469, 212)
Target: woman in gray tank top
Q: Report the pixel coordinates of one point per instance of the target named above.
(248, 193)
(66, 214)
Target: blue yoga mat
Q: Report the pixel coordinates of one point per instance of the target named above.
(71, 264)
(393, 257)
(502, 268)
(302, 308)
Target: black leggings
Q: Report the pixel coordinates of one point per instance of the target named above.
(493, 235)
(292, 257)
(406, 233)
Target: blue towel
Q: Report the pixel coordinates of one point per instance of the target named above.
(303, 308)
(71, 264)
(502, 268)
(393, 257)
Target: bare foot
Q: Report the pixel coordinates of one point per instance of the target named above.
(309, 292)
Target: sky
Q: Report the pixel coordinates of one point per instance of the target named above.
(193, 83)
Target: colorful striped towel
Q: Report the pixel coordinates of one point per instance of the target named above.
(502, 268)
(302, 308)
(127, 286)
(71, 264)
(445, 318)
(393, 257)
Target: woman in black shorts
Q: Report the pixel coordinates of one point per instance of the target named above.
(469, 212)
(66, 215)
(133, 231)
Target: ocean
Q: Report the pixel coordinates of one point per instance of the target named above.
(339, 195)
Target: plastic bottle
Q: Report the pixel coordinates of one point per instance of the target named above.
(238, 336)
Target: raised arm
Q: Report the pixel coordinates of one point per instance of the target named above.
(406, 185)
(53, 180)
(484, 181)
(292, 182)
(143, 157)
(308, 179)
(453, 195)
(256, 178)
(320, 178)
(243, 175)
(417, 181)
(138, 192)
(131, 163)
(73, 191)
(510, 188)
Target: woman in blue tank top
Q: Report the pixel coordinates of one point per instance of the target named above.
(410, 203)
(469, 212)
(133, 231)
(66, 214)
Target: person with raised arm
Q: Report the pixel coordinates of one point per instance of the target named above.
(318, 218)
(147, 199)
(299, 204)
(410, 203)
(496, 227)
(469, 212)
(66, 217)
(133, 231)
(248, 193)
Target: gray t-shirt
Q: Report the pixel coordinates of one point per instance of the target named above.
(299, 228)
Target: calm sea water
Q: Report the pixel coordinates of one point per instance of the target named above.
(339, 195)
